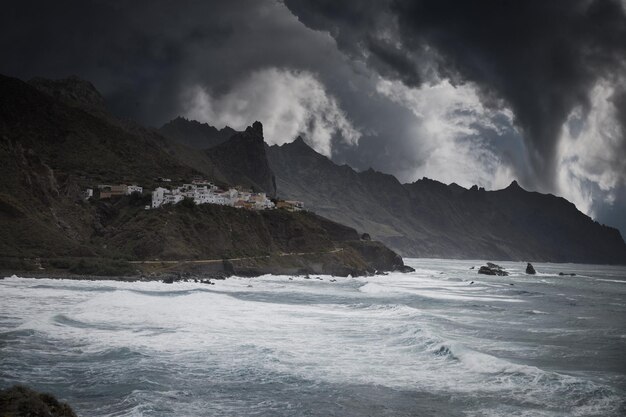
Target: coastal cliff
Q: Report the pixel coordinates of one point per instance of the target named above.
(57, 139)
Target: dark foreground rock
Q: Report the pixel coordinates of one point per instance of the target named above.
(492, 269)
(530, 269)
(22, 401)
(568, 274)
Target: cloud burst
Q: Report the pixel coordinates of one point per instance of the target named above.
(448, 131)
(289, 103)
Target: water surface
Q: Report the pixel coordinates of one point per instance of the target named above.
(429, 343)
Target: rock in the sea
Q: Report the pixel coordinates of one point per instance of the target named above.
(567, 274)
(405, 269)
(366, 236)
(492, 269)
(22, 401)
(485, 270)
(530, 269)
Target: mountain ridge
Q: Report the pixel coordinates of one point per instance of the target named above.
(427, 218)
(194, 134)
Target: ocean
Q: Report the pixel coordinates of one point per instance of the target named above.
(442, 341)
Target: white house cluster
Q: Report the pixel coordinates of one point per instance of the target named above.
(207, 193)
(201, 192)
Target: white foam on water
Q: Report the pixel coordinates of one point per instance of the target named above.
(620, 281)
(535, 312)
(437, 294)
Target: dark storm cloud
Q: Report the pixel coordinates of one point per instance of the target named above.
(140, 54)
(540, 57)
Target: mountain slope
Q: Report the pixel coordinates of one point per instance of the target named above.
(430, 219)
(50, 151)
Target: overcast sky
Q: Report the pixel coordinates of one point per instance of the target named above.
(472, 92)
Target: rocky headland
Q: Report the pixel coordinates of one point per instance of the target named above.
(57, 138)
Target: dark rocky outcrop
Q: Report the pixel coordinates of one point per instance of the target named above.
(242, 159)
(492, 269)
(530, 269)
(194, 134)
(20, 401)
(429, 219)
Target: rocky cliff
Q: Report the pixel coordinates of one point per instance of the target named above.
(56, 140)
(242, 159)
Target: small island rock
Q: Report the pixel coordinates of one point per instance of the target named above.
(530, 269)
(492, 269)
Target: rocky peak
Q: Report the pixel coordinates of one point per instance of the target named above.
(257, 127)
(301, 148)
(299, 142)
(243, 160)
(514, 186)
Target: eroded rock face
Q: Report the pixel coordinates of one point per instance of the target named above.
(530, 269)
(492, 269)
(242, 159)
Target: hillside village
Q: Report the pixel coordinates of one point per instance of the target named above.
(200, 191)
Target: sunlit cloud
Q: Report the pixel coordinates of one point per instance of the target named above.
(591, 152)
(449, 124)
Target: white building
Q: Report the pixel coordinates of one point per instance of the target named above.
(173, 198)
(261, 202)
(202, 181)
(158, 196)
(134, 189)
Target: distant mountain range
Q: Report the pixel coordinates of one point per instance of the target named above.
(431, 219)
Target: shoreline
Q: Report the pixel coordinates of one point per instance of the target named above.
(353, 258)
